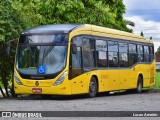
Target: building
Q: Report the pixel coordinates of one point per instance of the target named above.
(157, 57)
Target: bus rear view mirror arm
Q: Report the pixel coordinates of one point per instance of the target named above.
(8, 50)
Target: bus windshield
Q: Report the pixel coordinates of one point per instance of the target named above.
(29, 58)
(52, 57)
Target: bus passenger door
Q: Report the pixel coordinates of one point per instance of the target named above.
(81, 65)
(76, 75)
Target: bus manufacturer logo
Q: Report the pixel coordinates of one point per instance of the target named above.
(37, 83)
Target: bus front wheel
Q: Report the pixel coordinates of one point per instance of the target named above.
(139, 85)
(92, 87)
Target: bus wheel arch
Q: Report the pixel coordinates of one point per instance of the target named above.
(141, 78)
(139, 83)
(93, 86)
(96, 81)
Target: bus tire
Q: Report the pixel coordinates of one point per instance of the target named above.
(92, 88)
(139, 85)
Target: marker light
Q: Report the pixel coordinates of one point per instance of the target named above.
(61, 79)
(17, 79)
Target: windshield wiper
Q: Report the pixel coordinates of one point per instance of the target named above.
(46, 52)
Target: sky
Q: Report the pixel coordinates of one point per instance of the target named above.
(146, 16)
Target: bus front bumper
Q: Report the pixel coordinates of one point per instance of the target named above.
(52, 90)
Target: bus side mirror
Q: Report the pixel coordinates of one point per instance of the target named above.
(74, 48)
(8, 49)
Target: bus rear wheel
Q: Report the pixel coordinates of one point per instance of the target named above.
(139, 85)
(92, 88)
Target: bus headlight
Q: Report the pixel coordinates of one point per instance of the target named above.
(17, 79)
(61, 79)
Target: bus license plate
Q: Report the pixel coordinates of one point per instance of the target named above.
(36, 90)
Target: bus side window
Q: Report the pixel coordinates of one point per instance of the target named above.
(146, 53)
(140, 53)
(151, 54)
(76, 59)
(101, 51)
(88, 53)
(123, 55)
(88, 58)
(113, 53)
(133, 57)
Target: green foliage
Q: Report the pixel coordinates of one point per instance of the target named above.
(158, 50)
(108, 13)
(158, 80)
(17, 15)
(6, 69)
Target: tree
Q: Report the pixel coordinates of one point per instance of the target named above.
(158, 50)
(107, 13)
(17, 15)
(118, 8)
(7, 31)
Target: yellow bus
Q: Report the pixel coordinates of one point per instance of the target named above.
(69, 59)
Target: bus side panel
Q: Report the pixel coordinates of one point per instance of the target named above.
(152, 73)
(144, 70)
(80, 84)
(146, 75)
(103, 80)
(134, 73)
(132, 76)
(113, 79)
(124, 81)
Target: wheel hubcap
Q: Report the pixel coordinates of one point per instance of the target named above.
(139, 86)
(92, 87)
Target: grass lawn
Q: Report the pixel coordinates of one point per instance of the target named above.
(157, 80)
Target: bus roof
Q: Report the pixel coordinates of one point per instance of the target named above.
(112, 33)
(119, 34)
(95, 30)
(61, 28)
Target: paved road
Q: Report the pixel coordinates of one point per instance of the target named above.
(112, 102)
(146, 101)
